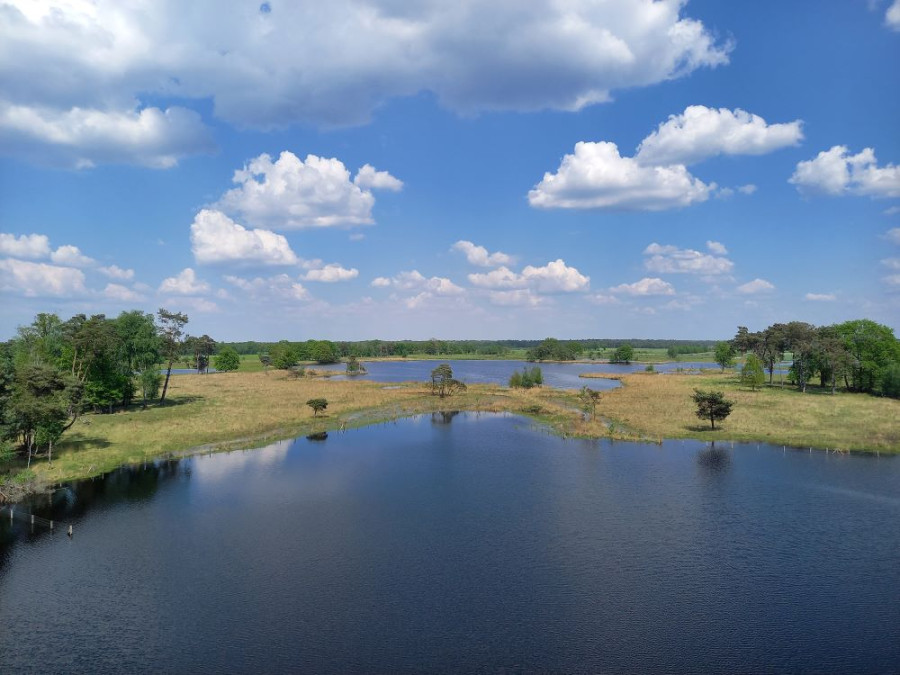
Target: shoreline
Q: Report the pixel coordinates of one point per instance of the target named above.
(223, 412)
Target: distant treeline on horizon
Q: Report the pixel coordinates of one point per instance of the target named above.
(376, 348)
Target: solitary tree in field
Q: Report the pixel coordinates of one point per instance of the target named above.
(442, 382)
(712, 406)
(590, 398)
(317, 404)
(724, 355)
(227, 360)
(623, 354)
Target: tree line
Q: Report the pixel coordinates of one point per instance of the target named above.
(52, 371)
(859, 355)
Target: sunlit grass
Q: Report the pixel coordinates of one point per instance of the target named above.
(660, 406)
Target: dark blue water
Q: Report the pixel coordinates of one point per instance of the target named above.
(464, 544)
(560, 375)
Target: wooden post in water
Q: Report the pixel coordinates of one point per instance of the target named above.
(70, 531)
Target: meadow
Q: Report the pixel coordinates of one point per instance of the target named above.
(222, 411)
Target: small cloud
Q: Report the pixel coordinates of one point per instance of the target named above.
(380, 282)
(520, 298)
(891, 263)
(747, 189)
(667, 259)
(602, 299)
(478, 255)
(70, 256)
(121, 293)
(837, 172)
(756, 286)
(716, 247)
(893, 235)
(892, 16)
(116, 272)
(820, 297)
(185, 283)
(331, 273)
(357, 236)
(368, 179)
(644, 287)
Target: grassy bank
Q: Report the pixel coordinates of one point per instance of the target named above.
(239, 410)
(234, 410)
(659, 406)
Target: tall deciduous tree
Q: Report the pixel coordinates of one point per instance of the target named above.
(724, 355)
(171, 332)
(752, 374)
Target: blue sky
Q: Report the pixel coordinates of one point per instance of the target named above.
(355, 169)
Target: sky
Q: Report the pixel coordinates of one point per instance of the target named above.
(478, 169)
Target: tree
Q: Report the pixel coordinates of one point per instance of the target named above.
(724, 355)
(227, 360)
(623, 354)
(284, 355)
(202, 348)
(712, 406)
(442, 382)
(266, 361)
(890, 381)
(354, 367)
(872, 348)
(317, 404)
(589, 398)
(171, 331)
(800, 339)
(752, 374)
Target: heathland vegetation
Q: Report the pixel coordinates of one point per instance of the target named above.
(85, 393)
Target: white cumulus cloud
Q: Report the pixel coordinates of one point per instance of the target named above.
(70, 256)
(331, 273)
(716, 247)
(369, 178)
(292, 193)
(216, 238)
(821, 297)
(645, 286)
(31, 246)
(184, 283)
(756, 286)
(554, 277)
(329, 63)
(837, 172)
(36, 280)
(701, 132)
(85, 137)
(478, 255)
(597, 177)
(674, 260)
(415, 281)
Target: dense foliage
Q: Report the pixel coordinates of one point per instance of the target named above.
(861, 354)
(552, 349)
(55, 370)
(623, 354)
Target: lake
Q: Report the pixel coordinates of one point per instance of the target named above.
(463, 543)
(560, 375)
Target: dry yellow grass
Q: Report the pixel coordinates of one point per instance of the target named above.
(659, 406)
(230, 410)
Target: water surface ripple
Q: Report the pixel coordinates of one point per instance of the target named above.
(464, 543)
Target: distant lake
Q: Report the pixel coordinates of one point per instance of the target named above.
(463, 543)
(561, 375)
